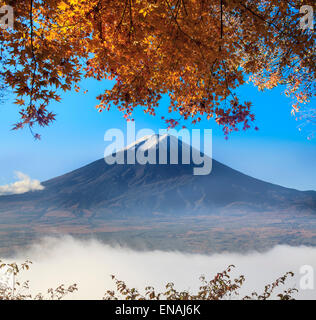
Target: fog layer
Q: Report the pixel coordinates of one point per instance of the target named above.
(90, 263)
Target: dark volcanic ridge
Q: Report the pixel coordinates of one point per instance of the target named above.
(103, 191)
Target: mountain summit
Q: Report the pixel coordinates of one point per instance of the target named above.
(109, 191)
(162, 149)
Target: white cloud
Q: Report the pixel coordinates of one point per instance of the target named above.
(24, 184)
(90, 263)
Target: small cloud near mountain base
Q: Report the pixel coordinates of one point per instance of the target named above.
(25, 184)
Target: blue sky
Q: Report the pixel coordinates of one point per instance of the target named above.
(277, 153)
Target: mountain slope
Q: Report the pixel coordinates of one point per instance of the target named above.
(103, 191)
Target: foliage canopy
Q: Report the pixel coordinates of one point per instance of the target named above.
(196, 51)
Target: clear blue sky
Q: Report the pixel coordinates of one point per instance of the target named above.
(277, 153)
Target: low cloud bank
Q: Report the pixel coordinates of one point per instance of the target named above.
(90, 263)
(24, 184)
